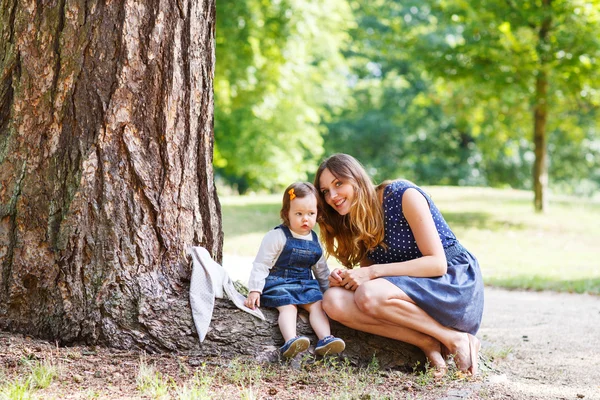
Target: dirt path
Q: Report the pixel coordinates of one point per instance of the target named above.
(544, 345)
(554, 343)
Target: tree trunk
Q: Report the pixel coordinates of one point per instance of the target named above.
(235, 333)
(540, 114)
(106, 114)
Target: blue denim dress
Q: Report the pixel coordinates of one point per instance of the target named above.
(290, 281)
(454, 299)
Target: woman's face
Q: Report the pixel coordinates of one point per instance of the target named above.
(338, 194)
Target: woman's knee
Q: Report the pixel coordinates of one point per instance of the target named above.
(369, 300)
(333, 303)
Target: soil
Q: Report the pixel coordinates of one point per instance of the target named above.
(552, 341)
(534, 346)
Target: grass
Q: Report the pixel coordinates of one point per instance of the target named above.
(37, 375)
(311, 378)
(150, 382)
(516, 247)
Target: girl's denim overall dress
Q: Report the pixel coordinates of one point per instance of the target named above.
(291, 281)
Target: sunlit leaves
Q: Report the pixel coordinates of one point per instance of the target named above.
(280, 72)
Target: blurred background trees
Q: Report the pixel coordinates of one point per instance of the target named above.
(490, 93)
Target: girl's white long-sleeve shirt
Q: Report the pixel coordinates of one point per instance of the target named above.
(271, 247)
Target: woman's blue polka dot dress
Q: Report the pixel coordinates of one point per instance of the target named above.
(455, 299)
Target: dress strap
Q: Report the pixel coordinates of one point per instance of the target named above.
(286, 231)
(314, 237)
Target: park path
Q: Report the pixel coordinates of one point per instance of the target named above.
(554, 343)
(544, 345)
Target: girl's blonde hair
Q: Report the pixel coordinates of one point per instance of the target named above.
(299, 190)
(349, 237)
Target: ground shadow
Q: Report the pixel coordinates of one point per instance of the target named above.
(479, 220)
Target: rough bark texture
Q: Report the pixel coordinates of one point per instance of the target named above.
(235, 333)
(106, 114)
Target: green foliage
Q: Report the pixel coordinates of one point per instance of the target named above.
(491, 52)
(396, 123)
(19, 389)
(40, 374)
(278, 66)
(440, 92)
(198, 387)
(443, 92)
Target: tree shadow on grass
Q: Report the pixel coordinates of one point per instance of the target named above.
(479, 220)
(538, 283)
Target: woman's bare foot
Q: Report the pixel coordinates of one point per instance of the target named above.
(436, 361)
(466, 353)
(474, 346)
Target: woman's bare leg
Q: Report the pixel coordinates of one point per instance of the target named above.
(382, 300)
(287, 321)
(340, 305)
(318, 319)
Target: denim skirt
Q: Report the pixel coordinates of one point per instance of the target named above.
(455, 299)
(280, 291)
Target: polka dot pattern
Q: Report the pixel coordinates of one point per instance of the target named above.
(400, 241)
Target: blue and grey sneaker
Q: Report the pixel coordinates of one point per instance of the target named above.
(294, 346)
(330, 345)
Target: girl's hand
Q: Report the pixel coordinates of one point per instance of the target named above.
(353, 278)
(335, 278)
(253, 300)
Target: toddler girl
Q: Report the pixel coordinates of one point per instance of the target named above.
(281, 274)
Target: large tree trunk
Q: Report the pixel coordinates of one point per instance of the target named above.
(106, 114)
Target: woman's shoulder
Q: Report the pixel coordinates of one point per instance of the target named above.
(396, 187)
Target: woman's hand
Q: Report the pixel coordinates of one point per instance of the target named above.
(335, 278)
(253, 300)
(353, 278)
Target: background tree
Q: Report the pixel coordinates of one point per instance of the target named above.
(280, 72)
(105, 168)
(394, 121)
(444, 93)
(534, 58)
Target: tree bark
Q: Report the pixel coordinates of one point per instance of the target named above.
(106, 139)
(540, 113)
(234, 333)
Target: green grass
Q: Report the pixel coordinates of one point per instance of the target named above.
(39, 375)
(516, 247)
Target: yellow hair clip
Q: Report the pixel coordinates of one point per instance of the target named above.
(292, 194)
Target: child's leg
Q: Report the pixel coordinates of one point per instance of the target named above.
(318, 319)
(287, 321)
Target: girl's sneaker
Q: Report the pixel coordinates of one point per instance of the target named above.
(330, 345)
(294, 346)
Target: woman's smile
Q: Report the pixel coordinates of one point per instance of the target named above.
(338, 194)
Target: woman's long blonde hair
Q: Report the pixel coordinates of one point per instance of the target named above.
(349, 237)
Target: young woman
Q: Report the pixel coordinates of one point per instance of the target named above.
(282, 273)
(416, 283)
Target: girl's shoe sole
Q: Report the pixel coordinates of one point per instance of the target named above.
(298, 346)
(334, 347)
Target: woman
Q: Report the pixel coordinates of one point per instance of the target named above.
(416, 283)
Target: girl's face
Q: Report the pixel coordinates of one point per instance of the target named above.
(337, 194)
(303, 214)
